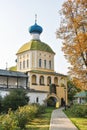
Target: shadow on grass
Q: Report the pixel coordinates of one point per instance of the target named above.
(42, 122)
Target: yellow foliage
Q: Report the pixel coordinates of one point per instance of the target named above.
(73, 32)
(79, 84)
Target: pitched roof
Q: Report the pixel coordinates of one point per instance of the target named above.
(81, 94)
(49, 73)
(9, 73)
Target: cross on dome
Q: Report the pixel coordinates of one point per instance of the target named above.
(35, 28)
(35, 18)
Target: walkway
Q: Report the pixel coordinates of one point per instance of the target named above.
(59, 121)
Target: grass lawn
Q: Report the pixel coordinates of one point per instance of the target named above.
(42, 122)
(81, 123)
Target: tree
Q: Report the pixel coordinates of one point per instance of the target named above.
(72, 90)
(16, 98)
(0, 103)
(73, 32)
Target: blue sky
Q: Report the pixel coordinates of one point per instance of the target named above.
(16, 16)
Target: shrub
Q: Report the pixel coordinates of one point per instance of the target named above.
(78, 111)
(18, 119)
(9, 122)
(16, 98)
(0, 103)
(25, 114)
(41, 109)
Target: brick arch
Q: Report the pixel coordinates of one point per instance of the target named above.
(34, 78)
(49, 80)
(56, 80)
(41, 80)
(54, 97)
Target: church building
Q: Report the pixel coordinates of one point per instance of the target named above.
(36, 58)
(35, 71)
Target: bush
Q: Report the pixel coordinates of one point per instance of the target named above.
(16, 98)
(0, 103)
(18, 120)
(25, 114)
(78, 111)
(9, 122)
(40, 108)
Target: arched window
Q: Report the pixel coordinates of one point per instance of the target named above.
(23, 64)
(27, 63)
(41, 80)
(56, 81)
(50, 64)
(37, 100)
(44, 63)
(49, 80)
(34, 80)
(40, 62)
(20, 65)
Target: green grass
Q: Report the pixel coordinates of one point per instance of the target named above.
(80, 122)
(42, 122)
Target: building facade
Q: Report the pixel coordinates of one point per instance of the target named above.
(36, 59)
(35, 72)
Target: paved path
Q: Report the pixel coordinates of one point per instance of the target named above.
(59, 121)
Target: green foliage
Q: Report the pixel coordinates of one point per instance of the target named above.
(16, 98)
(0, 103)
(18, 119)
(72, 90)
(77, 111)
(26, 114)
(41, 109)
(9, 122)
(42, 122)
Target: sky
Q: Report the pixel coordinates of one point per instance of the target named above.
(16, 16)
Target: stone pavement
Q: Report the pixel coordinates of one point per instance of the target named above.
(59, 121)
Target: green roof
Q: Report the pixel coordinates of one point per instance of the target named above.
(81, 94)
(13, 68)
(49, 73)
(35, 45)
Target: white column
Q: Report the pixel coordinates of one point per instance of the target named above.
(52, 79)
(45, 80)
(38, 77)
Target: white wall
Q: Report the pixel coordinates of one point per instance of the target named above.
(3, 93)
(34, 95)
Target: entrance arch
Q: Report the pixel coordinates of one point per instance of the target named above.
(52, 100)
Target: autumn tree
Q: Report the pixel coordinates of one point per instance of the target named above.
(73, 32)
